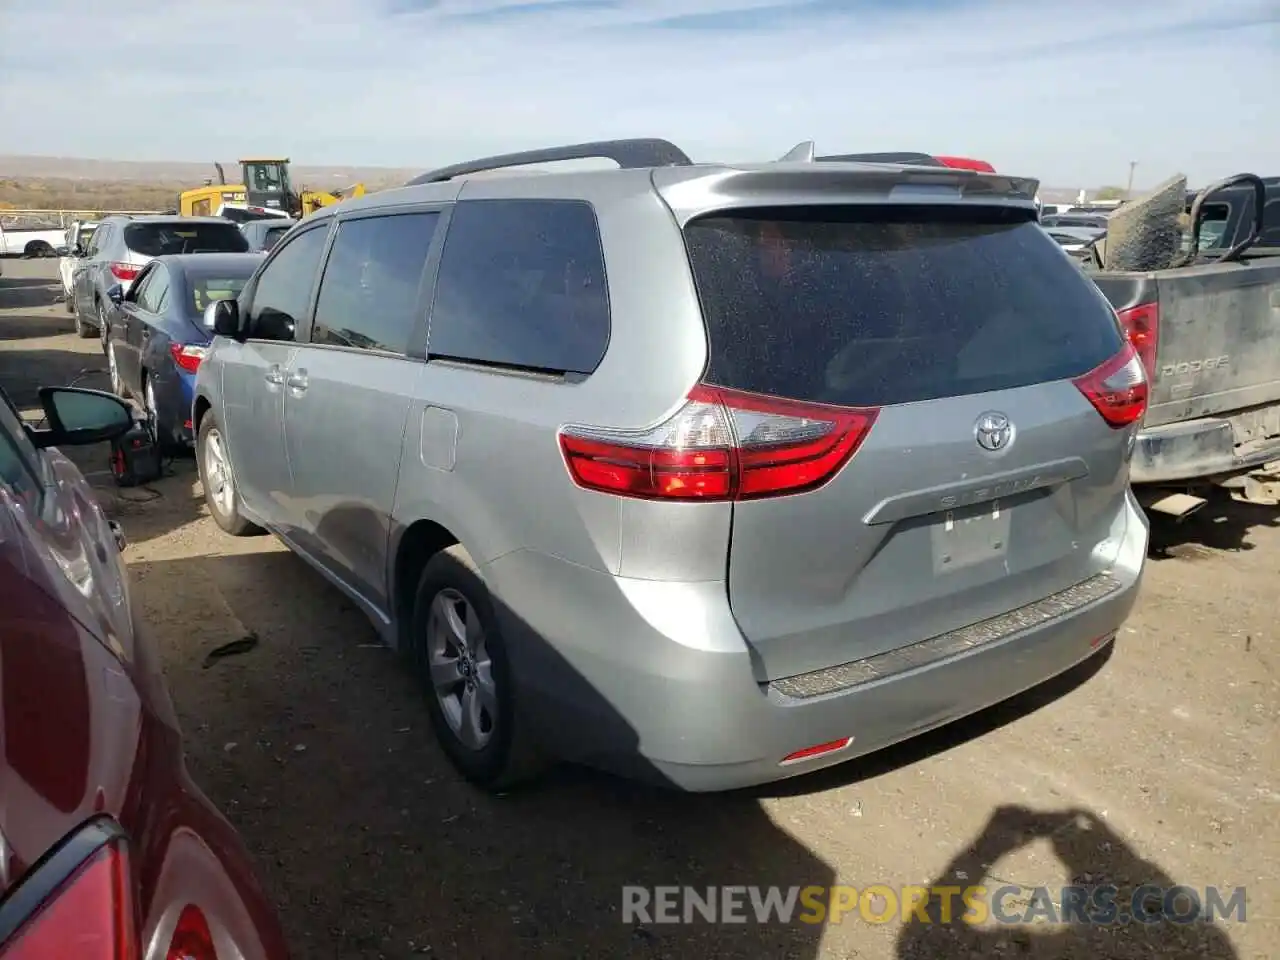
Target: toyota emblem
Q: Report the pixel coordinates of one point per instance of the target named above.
(993, 431)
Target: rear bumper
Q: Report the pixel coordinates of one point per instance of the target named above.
(1195, 450)
(653, 680)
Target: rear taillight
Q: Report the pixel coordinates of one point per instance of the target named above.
(1141, 326)
(1118, 388)
(124, 271)
(721, 445)
(187, 356)
(191, 937)
(91, 914)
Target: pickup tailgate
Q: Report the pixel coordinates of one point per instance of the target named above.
(1217, 343)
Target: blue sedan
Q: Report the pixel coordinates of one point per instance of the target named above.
(157, 334)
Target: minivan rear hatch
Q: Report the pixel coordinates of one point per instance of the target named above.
(987, 480)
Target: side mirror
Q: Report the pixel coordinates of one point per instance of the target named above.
(223, 318)
(77, 416)
(115, 293)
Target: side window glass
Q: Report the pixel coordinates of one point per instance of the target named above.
(97, 240)
(522, 284)
(369, 293)
(283, 291)
(140, 284)
(157, 291)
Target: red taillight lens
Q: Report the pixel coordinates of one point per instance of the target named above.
(1142, 327)
(721, 445)
(187, 356)
(124, 271)
(191, 937)
(1118, 388)
(90, 915)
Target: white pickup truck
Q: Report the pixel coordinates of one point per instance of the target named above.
(25, 242)
(77, 241)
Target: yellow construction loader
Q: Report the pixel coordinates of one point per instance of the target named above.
(264, 185)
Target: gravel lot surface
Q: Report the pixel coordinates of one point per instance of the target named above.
(1159, 763)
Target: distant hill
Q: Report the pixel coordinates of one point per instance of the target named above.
(148, 182)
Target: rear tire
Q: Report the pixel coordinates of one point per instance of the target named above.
(83, 330)
(506, 754)
(218, 482)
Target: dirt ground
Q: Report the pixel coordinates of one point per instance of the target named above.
(1157, 764)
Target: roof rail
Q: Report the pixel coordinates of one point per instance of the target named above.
(627, 154)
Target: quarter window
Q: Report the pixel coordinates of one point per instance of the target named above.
(522, 284)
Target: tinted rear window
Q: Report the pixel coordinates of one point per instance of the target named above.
(875, 306)
(273, 236)
(159, 239)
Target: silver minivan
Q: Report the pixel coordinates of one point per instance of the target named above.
(710, 474)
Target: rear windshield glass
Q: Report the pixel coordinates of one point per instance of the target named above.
(864, 306)
(210, 289)
(159, 239)
(273, 236)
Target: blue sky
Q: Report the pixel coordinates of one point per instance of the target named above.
(1067, 91)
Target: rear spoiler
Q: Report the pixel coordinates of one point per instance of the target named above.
(804, 152)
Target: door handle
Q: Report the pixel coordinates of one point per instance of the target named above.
(298, 381)
(275, 375)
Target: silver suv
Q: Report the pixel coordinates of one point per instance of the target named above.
(711, 474)
(122, 245)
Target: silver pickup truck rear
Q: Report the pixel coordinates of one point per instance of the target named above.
(1209, 334)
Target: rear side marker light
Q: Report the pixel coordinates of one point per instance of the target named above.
(720, 445)
(1141, 327)
(818, 750)
(1118, 388)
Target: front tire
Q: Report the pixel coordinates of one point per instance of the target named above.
(462, 660)
(218, 482)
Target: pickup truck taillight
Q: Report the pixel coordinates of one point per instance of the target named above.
(124, 271)
(1142, 327)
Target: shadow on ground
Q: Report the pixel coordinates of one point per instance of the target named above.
(1109, 875)
(1222, 524)
(320, 751)
(23, 293)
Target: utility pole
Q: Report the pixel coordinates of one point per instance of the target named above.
(1128, 190)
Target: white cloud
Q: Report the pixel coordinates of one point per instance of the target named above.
(1068, 92)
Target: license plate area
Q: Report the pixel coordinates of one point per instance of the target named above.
(968, 536)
